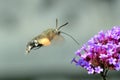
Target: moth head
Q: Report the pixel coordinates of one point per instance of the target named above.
(57, 32)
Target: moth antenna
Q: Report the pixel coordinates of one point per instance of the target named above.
(71, 37)
(56, 23)
(63, 25)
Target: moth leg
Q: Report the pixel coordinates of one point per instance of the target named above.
(38, 46)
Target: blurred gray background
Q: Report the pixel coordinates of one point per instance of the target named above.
(21, 20)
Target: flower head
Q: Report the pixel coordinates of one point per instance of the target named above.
(100, 52)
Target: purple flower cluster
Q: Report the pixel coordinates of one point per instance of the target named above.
(101, 52)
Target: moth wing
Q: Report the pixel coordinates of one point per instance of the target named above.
(58, 39)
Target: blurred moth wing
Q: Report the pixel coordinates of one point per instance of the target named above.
(57, 40)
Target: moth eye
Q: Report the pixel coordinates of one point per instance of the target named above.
(58, 32)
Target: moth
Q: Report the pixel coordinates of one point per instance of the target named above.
(45, 38)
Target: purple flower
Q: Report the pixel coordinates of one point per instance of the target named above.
(74, 60)
(77, 52)
(112, 61)
(103, 56)
(100, 52)
(90, 71)
(98, 69)
(119, 56)
(83, 63)
(117, 66)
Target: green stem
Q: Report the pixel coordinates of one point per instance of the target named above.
(104, 74)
